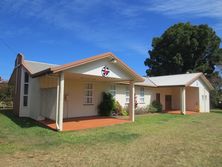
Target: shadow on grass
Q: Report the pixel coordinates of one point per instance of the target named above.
(216, 111)
(21, 121)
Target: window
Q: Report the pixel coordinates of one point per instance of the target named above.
(113, 90)
(142, 95)
(26, 78)
(158, 97)
(88, 94)
(127, 94)
(25, 101)
(26, 89)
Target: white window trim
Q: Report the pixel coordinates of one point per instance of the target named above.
(142, 95)
(24, 94)
(86, 89)
(127, 95)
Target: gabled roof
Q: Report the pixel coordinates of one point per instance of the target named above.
(174, 80)
(146, 82)
(37, 69)
(179, 80)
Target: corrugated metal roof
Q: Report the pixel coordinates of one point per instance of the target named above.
(174, 80)
(159, 81)
(147, 82)
(35, 67)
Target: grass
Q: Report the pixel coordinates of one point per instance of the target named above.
(153, 140)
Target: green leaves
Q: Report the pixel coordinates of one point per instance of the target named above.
(184, 47)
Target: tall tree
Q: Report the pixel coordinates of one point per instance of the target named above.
(184, 48)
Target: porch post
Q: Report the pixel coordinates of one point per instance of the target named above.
(183, 100)
(57, 103)
(131, 104)
(61, 100)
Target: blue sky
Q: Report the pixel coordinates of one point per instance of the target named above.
(61, 31)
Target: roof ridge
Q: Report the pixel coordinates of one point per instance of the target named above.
(146, 77)
(41, 62)
(174, 75)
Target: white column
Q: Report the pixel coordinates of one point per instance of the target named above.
(61, 100)
(57, 104)
(131, 104)
(183, 100)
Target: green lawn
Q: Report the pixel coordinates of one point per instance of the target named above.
(153, 140)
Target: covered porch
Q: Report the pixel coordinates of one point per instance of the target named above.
(179, 99)
(71, 93)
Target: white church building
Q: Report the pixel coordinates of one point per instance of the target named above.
(58, 92)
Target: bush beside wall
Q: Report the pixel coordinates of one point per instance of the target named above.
(107, 105)
(155, 107)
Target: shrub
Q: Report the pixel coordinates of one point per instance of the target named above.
(117, 108)
(142, 110)
(107, 105)
(155, 107)
(125, 111)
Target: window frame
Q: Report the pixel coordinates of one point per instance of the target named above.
(88, 94)
(26, 89)
(127, 95)
(142, 95)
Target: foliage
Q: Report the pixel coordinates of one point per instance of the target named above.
(125, 111)
(135, 101)
(155, 107)
(5, 96)
(107, 105)
(216, 94)
(142, 110)
(117, 108)
(184, 48)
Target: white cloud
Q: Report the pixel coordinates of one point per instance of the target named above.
(77, 17)
(191, 9)
(200, 8)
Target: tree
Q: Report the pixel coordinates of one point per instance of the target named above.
(216, 94)
(184, 48)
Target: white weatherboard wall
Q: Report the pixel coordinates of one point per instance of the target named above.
(48, 105)
(204, 96)
(95, 68)
(42, 96)
(149, 96)
(48, 96)
(24, 111)
(192, 99)
(74, 98)
(34, 98)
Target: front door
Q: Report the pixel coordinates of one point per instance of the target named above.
(168, 102)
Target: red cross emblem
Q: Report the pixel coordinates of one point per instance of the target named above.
(105, 71)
